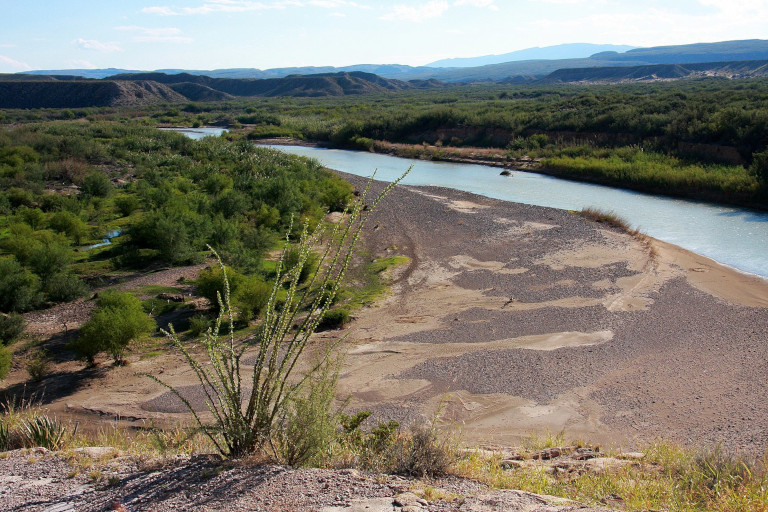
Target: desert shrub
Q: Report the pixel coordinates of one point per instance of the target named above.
(334, 319)
(50, 256)
(96, 184)
(11, 328)
(424, 453)
(38, 366)
(374, 450)
(117, 320)
(292, 258)
(32, 216)
(212, 283)
(198, 324)
(70, 224)
(19, 288)
(336, 195)
(307, 430)
(251, 297)
(6, 358)
(64, 286)
(127, 204)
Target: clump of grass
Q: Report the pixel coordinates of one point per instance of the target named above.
(667, 478)
(608, 218)
(43, 431)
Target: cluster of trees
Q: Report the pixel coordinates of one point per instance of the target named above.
(63, 185)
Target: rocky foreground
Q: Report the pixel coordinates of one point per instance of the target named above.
(96, 479)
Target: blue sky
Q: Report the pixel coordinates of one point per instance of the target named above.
(214, 34)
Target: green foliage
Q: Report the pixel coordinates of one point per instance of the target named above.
(97, 185)
(759, 167)
(213, 282)
(19, 288)
(245, 421)
(69, 224)
(50, 256)
(11, 328)
(127, 204)
(6, 356)
(251, 297)
(307, 429)
(198, 324)
(334, 319)
(38, 365)
(43, 431)
(64, 287)
(117, 320)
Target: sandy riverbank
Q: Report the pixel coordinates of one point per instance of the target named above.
(517, 318)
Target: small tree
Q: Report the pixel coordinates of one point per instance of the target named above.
(118, 320)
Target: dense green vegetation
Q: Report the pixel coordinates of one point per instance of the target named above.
(64, 185)
(697, 138)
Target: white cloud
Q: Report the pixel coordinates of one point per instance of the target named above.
(156, 35)
(490, 4)
(429, 10)
(212, 6)
(92, 44)
(225, 6)
(14, 65)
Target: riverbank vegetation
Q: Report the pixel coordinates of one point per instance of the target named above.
(695, 138)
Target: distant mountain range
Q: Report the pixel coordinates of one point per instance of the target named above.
(558, 52)
(525, 69)
(150, 88)
(61, 89)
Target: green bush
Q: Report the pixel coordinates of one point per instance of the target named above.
(19, 288)
(127, 204)
(97, 184)
(198, 324)
(71, 225)
(50, 257)
(251, 297)
(64, 287)
(212, 284)
(38, 365)
(117, 320)
(5, 361)
(334, 319)
(11, 328)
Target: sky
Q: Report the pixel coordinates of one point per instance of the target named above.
(263, 34)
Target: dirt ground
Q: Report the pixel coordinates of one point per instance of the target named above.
(513, 319)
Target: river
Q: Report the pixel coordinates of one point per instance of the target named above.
(736, 237)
